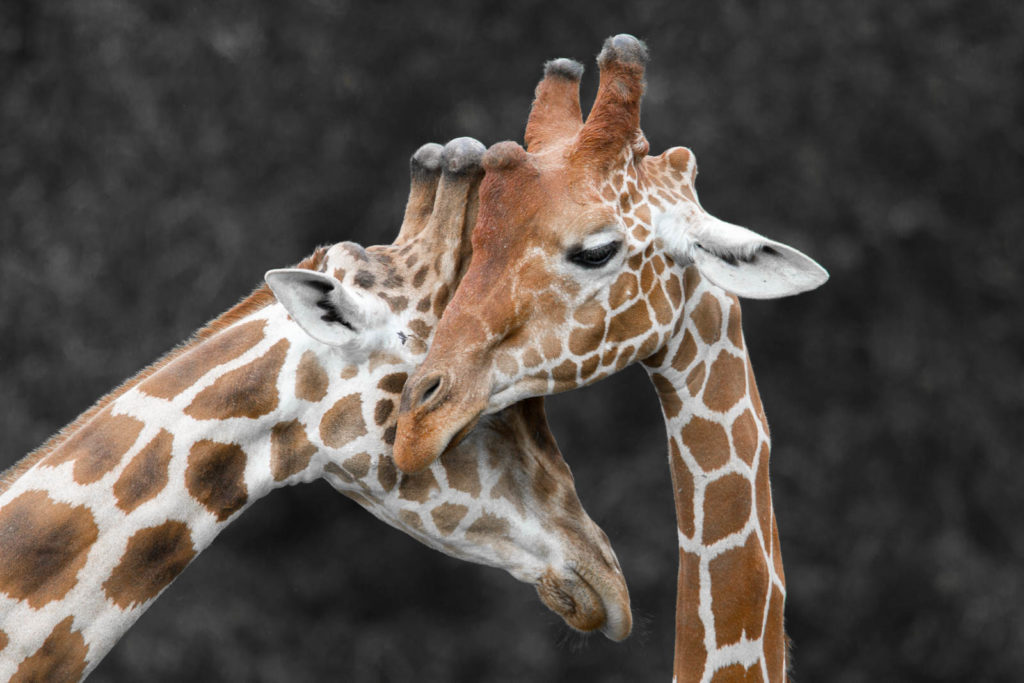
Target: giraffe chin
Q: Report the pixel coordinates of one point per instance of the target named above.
(582, 606)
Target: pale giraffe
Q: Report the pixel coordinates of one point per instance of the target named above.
(283, 390)
(605, 257)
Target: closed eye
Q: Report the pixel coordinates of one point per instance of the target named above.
(595, 257)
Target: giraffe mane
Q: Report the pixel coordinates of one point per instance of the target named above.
(260, 298)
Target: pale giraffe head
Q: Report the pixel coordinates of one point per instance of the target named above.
(578, 257)
(282, 390)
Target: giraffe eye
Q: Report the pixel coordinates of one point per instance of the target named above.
(596, 256)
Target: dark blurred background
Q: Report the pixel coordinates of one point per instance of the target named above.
(157, 157)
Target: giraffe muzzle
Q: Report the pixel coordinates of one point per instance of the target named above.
(587, 605)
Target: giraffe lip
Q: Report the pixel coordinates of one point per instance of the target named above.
(585, 606)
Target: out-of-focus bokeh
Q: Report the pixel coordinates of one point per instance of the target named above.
(157, 157)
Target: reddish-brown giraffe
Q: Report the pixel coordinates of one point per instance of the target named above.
(290, 385)
(606, 257)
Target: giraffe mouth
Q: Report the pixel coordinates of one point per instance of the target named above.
(585, 606)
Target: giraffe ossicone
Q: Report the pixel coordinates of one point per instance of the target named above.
(605, 258)
(279, 391)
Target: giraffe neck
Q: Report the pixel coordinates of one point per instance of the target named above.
(92, 532)
(731, 586)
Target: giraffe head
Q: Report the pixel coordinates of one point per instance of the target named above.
(504, 497)
(578, 256)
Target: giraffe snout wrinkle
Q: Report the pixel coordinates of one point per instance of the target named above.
(425, 394)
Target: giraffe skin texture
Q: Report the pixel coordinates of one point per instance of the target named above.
(606, 258)
(98, 522)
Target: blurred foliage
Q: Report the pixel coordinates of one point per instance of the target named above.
(156, 157)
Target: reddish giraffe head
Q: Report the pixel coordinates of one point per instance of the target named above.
(578, 255)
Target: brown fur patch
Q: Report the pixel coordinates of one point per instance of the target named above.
(744, 437)
(418, 487)
(3, 640)
(707, 318)
(387, 473)
(335, 469)
(410, 519)
(186, 370)
(588, 366)
(506, 488)
(584, 340)
(531, 358)
(462, 472)
(551, 346)
(424, 305)
(690, 651)
(682, 484)
(632, 322)
(663, 312)
(146, 475)
(506, 363)
(349, 371)
(735, 673)
(671, 404)
(695, 380)
(775, 639)
(441, 300)
(763, 491)
(734, 327)
(564, 372)
(487, 526)
(343, 422)
(727, 504)
(249, 391)
(290, 449)
(154, 557)
(707, 441)
(739, 589)
(447, 517)
(98, 446)
(215, 476)
(382, 411)
(646, 277)
(755, 398)
(61, 657)
(393, 383)
(624, 289)
(43, 545)
(727, 382)
(691, 278)
(358, 465)
(310, 379)
(686, 352)
(675, 291)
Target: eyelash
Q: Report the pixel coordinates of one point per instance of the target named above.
(595, 257)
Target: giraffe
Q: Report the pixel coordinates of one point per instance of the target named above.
(298, 381)
(606, 257)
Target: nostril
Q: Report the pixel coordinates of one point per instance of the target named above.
(430, 390)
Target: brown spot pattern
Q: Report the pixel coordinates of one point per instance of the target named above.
(186, 370)
(382, 411)
(418, 487)
(154, 557)
(249, 391)
(447, 517)
(735, 673)
(671, 404)
(659, 303)
(707, 441)
(146, 475)
(763, 491)
(624, 289)
(215, 476)
(290, 449)
(734, 327)
(411, 519)
(393, 383)
(773, 633)
(343, 422)
(739, 589)
(564, 371)
(61, 657)
(98, 446)
(462, 473)
(43, 545)
(744, 437)
(727, 504)
(686, 352)
(358, 465)
(682, 482)
(707, 318)
(387, 473)
(690, 653)
(726, 382)
(695, 380)
(487, 526)
(310, 379)
(633, 321)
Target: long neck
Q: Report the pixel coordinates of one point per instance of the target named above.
(97, 527)
(731, 587)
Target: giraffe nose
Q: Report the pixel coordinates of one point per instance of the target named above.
(426, 393)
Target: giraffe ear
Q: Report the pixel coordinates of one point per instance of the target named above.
(324, 307)
(737, 259)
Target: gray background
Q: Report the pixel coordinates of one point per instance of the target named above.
(157, 157)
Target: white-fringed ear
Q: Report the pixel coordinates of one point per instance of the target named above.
(325, 308)
(736, 259)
